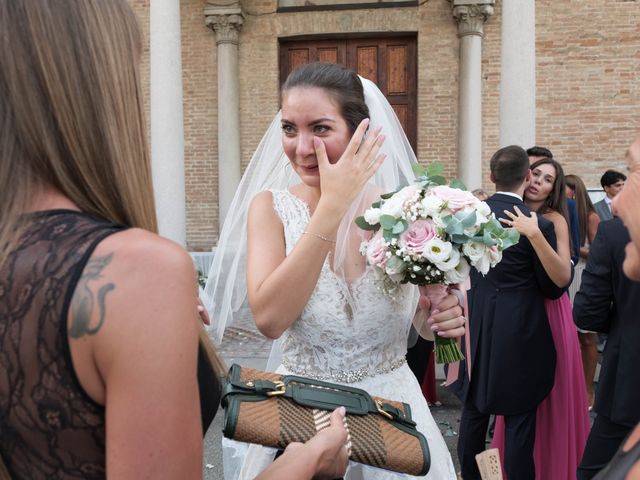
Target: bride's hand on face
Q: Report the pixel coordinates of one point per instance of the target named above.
(527, 226)
(341, 182)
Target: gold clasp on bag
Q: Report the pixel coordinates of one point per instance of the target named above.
(280, 391)
(381, 411)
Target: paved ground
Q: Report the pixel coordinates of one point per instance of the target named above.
(244, 345)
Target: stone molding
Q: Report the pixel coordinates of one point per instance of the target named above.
(471, 15)
(226, 23)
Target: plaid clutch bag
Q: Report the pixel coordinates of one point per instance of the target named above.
(274, 410)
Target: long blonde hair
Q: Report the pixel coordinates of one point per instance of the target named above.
(71, 112)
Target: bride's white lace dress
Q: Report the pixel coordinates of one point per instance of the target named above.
(364, 350)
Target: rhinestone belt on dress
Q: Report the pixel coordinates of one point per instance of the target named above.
(345, 376)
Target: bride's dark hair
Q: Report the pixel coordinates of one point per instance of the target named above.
(341, 83)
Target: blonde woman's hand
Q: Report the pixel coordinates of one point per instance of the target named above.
(326, 450)
(341, 182)
(527, 226)
(202, 311)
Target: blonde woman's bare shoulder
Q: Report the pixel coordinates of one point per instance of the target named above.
(139, 253)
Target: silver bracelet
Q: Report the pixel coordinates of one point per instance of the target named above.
(321, 237)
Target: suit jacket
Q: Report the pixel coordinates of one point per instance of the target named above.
(603, 210)
(609, 302)
(574, 230)
(512, 350)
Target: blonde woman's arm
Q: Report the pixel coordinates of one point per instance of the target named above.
(134, 327)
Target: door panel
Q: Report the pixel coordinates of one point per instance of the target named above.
(389, 62)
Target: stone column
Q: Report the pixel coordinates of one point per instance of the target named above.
(518, 74)
(226, 23)
(167, 130)
(470, 16)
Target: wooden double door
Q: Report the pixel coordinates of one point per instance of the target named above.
(389, 62)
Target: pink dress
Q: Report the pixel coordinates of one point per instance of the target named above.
(562, 420)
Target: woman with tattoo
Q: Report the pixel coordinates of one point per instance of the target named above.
(99, 325)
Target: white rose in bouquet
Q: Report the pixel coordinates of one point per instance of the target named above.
(372, 216)
(474, 251)
(460, 273)
(395, 205)
(451, 262)
(437, 250)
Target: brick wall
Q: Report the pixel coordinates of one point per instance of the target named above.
(588, 85)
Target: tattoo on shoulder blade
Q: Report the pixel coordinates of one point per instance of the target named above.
(85, 299)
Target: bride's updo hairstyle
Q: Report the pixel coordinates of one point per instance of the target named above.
(344, 86)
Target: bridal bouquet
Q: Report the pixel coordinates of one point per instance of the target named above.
(431, 234)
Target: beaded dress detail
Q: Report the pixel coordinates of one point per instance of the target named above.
(364, 349)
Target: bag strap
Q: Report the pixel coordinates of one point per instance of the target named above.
(312, 393)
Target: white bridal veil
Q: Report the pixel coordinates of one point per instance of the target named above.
(225, 292)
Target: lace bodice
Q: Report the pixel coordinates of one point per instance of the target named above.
(331, 340)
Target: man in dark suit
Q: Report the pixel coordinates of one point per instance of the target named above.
(512, 352)
(609, 302)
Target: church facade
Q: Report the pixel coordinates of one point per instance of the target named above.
(464, 76)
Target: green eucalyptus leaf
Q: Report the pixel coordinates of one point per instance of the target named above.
(396, 264)
(434, 168)
(437, 180)
(364, 225)
(400, 226)
(387, 221)
(455, 183)
(469, 220)
(386, 196)
(419, 170)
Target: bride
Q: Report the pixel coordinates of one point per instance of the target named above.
(333, 148)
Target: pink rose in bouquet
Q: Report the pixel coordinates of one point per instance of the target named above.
(415, 238)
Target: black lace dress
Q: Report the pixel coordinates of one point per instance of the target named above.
(49, 427)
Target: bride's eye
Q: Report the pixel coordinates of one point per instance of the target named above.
(320, 129)
(288, 129)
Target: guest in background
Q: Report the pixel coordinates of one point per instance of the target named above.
(480, 193)
(562, 420)
(588, 221)
(511, 373)
(625, 464)
(612, 182)
(538, 153)
(609, 302)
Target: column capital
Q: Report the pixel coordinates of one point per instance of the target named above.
(226, 21)
(471, 15)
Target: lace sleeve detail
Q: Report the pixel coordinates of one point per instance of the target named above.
(293, 213)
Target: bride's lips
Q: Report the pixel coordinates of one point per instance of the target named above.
(533, 190)
(310, 168)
